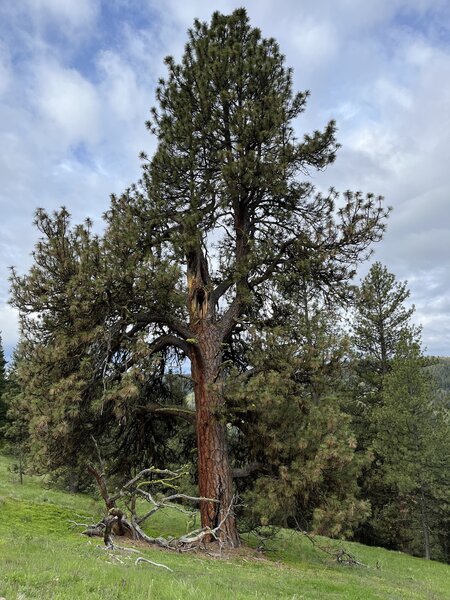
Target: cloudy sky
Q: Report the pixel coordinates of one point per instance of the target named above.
(77, 79)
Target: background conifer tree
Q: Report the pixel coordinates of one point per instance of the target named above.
(381, 321)
(413, 446)
(290, 424)
(2, 385)
(382, 318)
(399, 416)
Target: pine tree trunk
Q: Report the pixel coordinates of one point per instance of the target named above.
(21, 465)
(214, 472)
(425, 530)
(73, 481)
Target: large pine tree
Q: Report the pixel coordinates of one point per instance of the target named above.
(225, 179)
(221, 212)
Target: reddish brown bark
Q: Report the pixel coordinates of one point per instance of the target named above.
(214, 472)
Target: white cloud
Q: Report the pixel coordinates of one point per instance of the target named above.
(70, 131)
(315, 42)
(9, 327)
(68, 13)
(120, 87)
(68, 102)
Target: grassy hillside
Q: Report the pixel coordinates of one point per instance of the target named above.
(41, 557)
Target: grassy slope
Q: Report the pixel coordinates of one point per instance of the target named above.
(42, 558)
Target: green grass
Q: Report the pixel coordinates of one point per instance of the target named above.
(41, 557)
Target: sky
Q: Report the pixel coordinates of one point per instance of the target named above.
(78, 77)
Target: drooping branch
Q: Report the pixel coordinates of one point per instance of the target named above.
(247, 470)
(340, 555)
(176, 411)
(168, 340)
(177, 326)
(119, 332)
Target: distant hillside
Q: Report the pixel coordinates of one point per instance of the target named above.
(441, 372)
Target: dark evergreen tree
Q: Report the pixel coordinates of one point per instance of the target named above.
(72, 388)
(14, 429)
(381, 321)
(60, 316)
(190, 252)
(399, 416)
(2, 385)
(381, 318)
(290, 425)
(413, 446)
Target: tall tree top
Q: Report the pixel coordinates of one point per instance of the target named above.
(224, 188)
(382, 317)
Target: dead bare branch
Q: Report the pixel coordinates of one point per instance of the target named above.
(115, 523)
(340, 555)
(151, 562)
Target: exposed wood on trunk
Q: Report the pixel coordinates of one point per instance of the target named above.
(214, 472)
